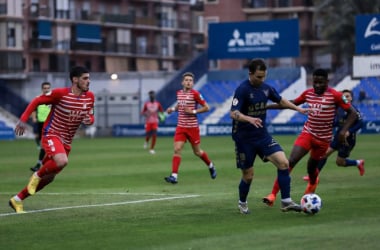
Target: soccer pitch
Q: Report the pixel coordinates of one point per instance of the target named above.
(112, 195)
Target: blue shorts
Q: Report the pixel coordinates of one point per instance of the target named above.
(343, 150)
(246, 150)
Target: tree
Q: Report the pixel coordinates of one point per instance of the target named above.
(338, 24)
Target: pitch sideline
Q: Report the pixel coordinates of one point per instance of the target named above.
(103, 204)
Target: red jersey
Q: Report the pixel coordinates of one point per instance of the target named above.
(67, 112)
(189, 99)
(150, 110)
(322, 111)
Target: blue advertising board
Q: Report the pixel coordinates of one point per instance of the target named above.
(122, 130)
(367, 34)
(264, 39)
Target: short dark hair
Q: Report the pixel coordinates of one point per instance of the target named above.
(77, 71)
(45, 83)
(348, 91)
(320, 72)
(187, 74)
(257, 64)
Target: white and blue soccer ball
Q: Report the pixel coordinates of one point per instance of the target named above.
(311, 203)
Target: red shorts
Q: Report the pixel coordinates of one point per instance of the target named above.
(53, 145)
(309, 142)
(184, 134)
(151, 126)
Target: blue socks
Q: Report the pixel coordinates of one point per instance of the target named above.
(284, 183)
(243, 190)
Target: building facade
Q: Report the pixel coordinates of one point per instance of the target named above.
(103, 35)
(139, 35)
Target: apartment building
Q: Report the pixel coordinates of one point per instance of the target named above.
(103, 35)
(138, 35)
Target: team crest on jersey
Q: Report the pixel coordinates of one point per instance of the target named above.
(251, 96)
(84, 105)
(266, 93)
(235, 102)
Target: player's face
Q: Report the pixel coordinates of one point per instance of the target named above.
(258, 77)
(45, 89)
(83, 82)
(319, 84)
(187, 83)
(348, 96)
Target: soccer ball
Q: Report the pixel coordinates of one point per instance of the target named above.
(311, 203)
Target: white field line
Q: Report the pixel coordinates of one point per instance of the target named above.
(104, 204)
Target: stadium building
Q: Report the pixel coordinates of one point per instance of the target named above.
(147, 45)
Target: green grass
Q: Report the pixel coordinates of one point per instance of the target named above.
(112, 196)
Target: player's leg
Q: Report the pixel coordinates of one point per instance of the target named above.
(244, 187)
(317, 153)
(323, 161)
(245, 155)
(342, 159)
(179, 142)
(16, 201)
(298, 152)
(57, 159)
(42, 151)
(153, 134)
(147, 135)
(279, 160)
(195, 141)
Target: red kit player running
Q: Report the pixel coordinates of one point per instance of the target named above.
(318, 129)
(187, 126)
(69, 108)
(151, 110)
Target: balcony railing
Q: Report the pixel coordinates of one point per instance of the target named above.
(180, 50)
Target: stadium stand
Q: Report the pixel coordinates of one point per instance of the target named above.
(220, 86)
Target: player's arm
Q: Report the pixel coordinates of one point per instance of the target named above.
(358, 124)
(42, 99)
(199, 100)
(238, 116)
(204, 108)
(277, 105)
(352, 116)
(172, 109)
(90, 117)
(290, 104)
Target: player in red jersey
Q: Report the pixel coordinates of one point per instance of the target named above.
(69, 108)
(187, 125)
(318, 129)
(151, 111)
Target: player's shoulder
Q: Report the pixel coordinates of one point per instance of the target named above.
(333, 91)
(59, 92)
(90, 93)
(194, 91)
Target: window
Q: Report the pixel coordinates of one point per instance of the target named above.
(11, 35)
(62, 9)
(36, 65)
